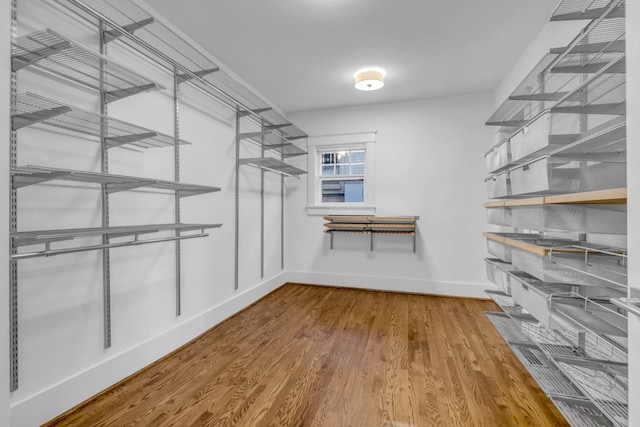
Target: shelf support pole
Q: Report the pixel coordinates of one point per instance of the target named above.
(176, 147)
(237, 202)
(104, 168)
(262, 172)
(13, 227)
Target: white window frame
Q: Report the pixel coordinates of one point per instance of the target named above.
(341, 142)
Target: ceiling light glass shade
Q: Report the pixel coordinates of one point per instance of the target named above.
(369, 80)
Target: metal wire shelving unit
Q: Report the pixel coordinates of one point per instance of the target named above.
(127, 23)
(51, 52)
(23, 176)
(32, 109)
(564, 128)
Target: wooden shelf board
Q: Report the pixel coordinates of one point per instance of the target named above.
(612, 196)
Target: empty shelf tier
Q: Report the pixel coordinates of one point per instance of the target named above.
(583, 314)
(30, 175)
(131, 233)
(569, 10)
(602, 93)
(130, 24)
(607, 142)
(53, 53)
(273, 140)
(31, 109)
(273, 165)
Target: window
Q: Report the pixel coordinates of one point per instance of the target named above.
(341, 174)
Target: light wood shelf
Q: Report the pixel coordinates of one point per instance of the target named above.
(612, 196)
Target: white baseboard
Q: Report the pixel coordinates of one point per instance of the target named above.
(392, 284)
(49, 403)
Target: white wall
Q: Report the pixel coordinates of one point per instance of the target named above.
(61, 356)
(5, 67)
(429, 162)
(633, 183)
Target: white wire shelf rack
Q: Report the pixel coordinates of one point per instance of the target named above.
(53, 53)
(606, 142)
(605, 383)
(566, 340)
(607, 266)
(132, 233)
(587, 391)
(569, 10)
(561, 70)
(602, 93)
(130, 24)
(586, 315)
(274, 141)
(508, 305)
(273, 165)
(29, 175)
(569, 398)
(31, 109)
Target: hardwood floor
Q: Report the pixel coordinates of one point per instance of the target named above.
(316, 356)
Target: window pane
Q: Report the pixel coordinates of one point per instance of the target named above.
(357, 169)
(349, 191)
(328, 170)
(328, 158)
(354, 191)
(343, 170)
(343, 156)
(357, 156)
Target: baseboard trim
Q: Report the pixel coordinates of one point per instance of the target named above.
(89, 384)
(390, 284)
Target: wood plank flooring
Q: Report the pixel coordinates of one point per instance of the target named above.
(318, 356)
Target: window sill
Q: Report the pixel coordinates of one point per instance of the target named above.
(340, 209)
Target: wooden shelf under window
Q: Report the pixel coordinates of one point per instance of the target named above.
(370, 225)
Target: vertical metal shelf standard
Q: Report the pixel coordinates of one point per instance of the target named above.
(268, 137)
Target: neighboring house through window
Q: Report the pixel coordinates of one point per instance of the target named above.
(341, 169)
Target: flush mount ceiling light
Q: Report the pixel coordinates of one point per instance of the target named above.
(369, 79)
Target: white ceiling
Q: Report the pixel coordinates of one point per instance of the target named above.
(302, 54)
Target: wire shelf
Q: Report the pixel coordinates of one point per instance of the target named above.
(562, 70)
(607, 142)
(49, 51)
(546, 374)
(606, 385)
(603, 93)
(273, 140)
(273, 165)
(605, 265)
(132, 25)
(47, 237)
(31, 109)
(569, 10)
(580, 412)
(30, 175)
(586, 315)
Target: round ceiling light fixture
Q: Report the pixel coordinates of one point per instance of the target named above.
(370, 79)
